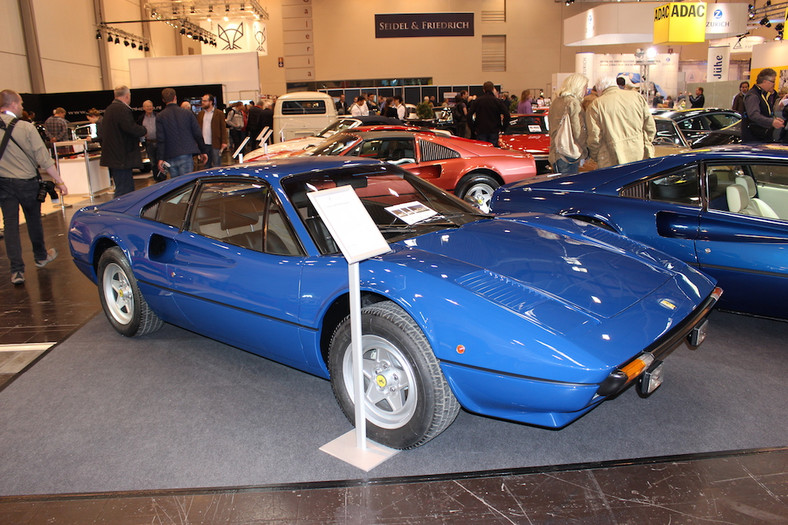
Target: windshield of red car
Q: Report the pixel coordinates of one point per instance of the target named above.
(335, 145)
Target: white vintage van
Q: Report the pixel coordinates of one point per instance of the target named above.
(302, 114)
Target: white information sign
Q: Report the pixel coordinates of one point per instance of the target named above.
(349, 223)
(358, 238)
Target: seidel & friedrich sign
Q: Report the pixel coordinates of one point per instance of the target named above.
(423, 24)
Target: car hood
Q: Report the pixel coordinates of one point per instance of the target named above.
(521, 265)
(284, 147)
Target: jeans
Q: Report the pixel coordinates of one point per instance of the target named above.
(124, 180)
(181, 165)
(214, 158)
(567, 167)
(492, 138)
(13, 194)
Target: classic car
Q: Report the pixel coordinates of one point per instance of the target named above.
(528, 133)
(720, 137)
(697, 122)
(535, 319)
(296, 145)
(469, 168)
(724, 211)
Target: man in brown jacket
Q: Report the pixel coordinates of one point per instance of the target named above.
(620, 126)
(214, 130)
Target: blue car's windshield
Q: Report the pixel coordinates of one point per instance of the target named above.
(400, 204)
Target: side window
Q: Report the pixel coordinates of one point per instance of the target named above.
(722, 120)
(238, 213)
(679, 187)
(170, 209)
(303, 107)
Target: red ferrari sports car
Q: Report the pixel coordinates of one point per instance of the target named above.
(529, 133)
(469, 168)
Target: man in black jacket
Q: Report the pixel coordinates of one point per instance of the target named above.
(178, 136)
(758, 121)
(120, 141)
(487, 115)
(254, 125)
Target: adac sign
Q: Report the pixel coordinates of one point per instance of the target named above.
(679, 22)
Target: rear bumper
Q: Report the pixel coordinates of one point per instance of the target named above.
(659, 349)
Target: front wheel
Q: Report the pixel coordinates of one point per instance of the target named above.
(408, 401)
(478, 190)
(121, 299)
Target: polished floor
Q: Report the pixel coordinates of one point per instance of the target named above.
(734, 487)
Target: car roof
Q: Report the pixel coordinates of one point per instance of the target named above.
(681, 114)
(615, 177)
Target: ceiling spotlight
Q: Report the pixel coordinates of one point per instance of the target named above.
(133, 45)
(98, 35)
(117, 40)
(183, 31)
(126, 42)
(227, 8)
(147, 48)
(189, 34)
(765, 21)
(109, 38)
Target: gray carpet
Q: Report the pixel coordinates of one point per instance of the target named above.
(174, 410)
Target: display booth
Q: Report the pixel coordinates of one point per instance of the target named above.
(80, 171)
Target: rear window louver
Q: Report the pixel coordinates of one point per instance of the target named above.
(431, 152)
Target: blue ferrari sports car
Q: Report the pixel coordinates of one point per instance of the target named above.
(724, 211)
(531, 318)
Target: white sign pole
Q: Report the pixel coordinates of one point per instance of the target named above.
(358, 238)
(357, 350)
(239, 151)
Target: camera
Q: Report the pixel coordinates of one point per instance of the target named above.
(46, 187)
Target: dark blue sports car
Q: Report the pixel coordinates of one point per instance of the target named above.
(533, 318)
(724, 211)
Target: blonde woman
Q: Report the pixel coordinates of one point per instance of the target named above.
(568, 102)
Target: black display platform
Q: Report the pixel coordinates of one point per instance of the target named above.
(101, 412)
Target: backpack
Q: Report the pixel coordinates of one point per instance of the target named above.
(235, 120)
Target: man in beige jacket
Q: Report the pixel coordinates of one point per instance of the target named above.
(620, 126)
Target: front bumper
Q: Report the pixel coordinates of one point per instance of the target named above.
(692, 329)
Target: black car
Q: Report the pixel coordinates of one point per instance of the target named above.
(698, 122)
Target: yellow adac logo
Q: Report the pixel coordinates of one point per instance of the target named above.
(381, 381)
(679, 22)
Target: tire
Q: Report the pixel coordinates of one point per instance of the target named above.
(408, 401)
(121, 299)
(478, 190)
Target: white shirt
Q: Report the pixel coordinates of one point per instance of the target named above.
(359, 111)
(207, 136)
(401, 111)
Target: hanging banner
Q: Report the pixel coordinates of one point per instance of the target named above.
(237, 36)
(683, 22)
(719, 62)
(723, 20)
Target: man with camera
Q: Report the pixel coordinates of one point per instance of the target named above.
(22, 151)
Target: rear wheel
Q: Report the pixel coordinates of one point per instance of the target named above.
(408, 401)
(478, 190)
(121, 299)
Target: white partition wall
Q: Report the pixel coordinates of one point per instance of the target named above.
(238, 73)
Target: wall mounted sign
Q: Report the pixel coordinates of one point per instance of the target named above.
(237, 36)
(680, 22)
(423, 24)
